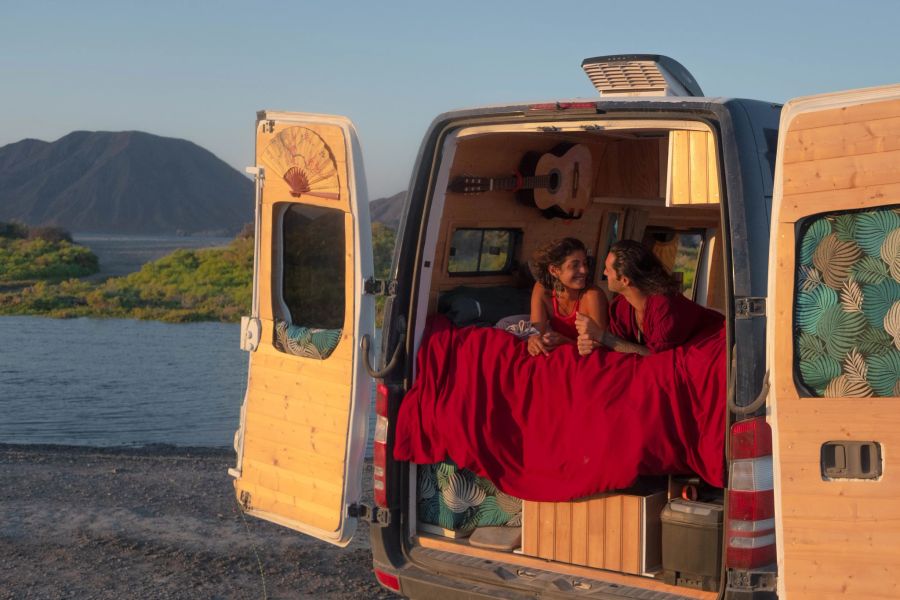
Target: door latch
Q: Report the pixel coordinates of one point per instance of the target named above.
(372, 514)
(747, 308)
(851, 460)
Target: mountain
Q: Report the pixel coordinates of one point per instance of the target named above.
(122, 182)
(388, 210)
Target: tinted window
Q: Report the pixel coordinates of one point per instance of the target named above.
(313, 280)
(481, 251)
(847, 304)
(679, 251)
(608, 236)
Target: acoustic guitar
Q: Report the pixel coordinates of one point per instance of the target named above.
(557, 182)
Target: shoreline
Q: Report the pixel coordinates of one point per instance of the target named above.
(155, 521)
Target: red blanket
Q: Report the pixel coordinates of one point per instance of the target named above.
(565, 426)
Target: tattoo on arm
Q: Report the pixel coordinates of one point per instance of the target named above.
(620, 345)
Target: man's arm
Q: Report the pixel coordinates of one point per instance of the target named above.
(620, 345)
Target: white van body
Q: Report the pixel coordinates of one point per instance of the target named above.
(785, 201)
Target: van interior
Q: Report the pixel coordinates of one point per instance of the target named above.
(654, 181)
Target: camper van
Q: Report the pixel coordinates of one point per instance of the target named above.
(783, 219)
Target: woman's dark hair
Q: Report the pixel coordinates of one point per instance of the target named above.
(636, 262)
(553, 253)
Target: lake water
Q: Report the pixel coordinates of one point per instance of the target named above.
(120, 382)
(123, 254)
(114, 382)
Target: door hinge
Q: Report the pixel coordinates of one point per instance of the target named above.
(747, 308)
(251, 330)
(751, 581)
(380, 287)
(371, 514)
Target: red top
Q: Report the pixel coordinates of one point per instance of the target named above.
(669, 321)
(564, 324)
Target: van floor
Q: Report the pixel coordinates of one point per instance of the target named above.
(492, 565)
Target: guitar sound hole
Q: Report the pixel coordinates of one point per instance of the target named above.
(553, 184)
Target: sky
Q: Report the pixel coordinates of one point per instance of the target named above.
(200, 70)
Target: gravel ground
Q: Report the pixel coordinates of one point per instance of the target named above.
(158, 522)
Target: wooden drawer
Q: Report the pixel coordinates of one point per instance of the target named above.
(619, 532)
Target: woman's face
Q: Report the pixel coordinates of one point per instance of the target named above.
(573, 271)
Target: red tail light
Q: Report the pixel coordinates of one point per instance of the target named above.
(750, 525)
(392, 582)
(379, 450)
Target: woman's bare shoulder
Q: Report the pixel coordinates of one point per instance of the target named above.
(596, 294)
(540, 290)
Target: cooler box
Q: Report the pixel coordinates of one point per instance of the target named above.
(692, 543)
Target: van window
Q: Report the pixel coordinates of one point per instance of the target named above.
(312, 281)
(609, 235)
(679, 251)
(481, 251)
(847, 304)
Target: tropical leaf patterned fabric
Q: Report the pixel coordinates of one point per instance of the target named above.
(305, 341)
(457, 499)
(847, 310)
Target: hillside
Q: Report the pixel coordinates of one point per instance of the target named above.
(388, 210)
(126, 182)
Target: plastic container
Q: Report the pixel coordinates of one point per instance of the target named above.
(692, 543)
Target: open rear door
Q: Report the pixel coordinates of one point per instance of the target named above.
(302, 436)
(834, 355)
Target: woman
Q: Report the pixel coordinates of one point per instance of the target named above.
(650, 314)
(561, 292)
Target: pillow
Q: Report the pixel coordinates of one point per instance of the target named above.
(465, 305)
(518, 325)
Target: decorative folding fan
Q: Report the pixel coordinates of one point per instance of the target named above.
(303, 159)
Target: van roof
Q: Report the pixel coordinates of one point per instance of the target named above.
(618, 102)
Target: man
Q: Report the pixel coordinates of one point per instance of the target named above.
(650, 313)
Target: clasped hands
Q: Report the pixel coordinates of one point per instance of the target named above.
(589, 334)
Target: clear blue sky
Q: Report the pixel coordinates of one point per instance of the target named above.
(200, 70)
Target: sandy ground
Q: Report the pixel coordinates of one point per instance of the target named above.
(86, 523)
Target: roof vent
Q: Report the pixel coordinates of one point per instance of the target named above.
(640, 75)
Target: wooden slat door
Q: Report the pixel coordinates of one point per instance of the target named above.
(833, 279)
(302, 437)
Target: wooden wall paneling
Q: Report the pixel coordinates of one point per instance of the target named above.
(609, 531)
(663, 151)
(612, 538)
(865, 112)
(632, 521)
(596, 549)
(693, 171)
(715, 287)
(546, 530)
(796, 206)
(699, 165)
(580, 534)
(842, 173)
(628, 168)
(563, 536)
(836, 536)
(296, 416)
(680, 180)
(842, 140)
(712, 171)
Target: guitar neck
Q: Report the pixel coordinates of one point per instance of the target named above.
(506, 184)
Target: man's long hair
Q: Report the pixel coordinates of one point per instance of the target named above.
(636, 262)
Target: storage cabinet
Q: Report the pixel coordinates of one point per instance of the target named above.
(619, 532)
